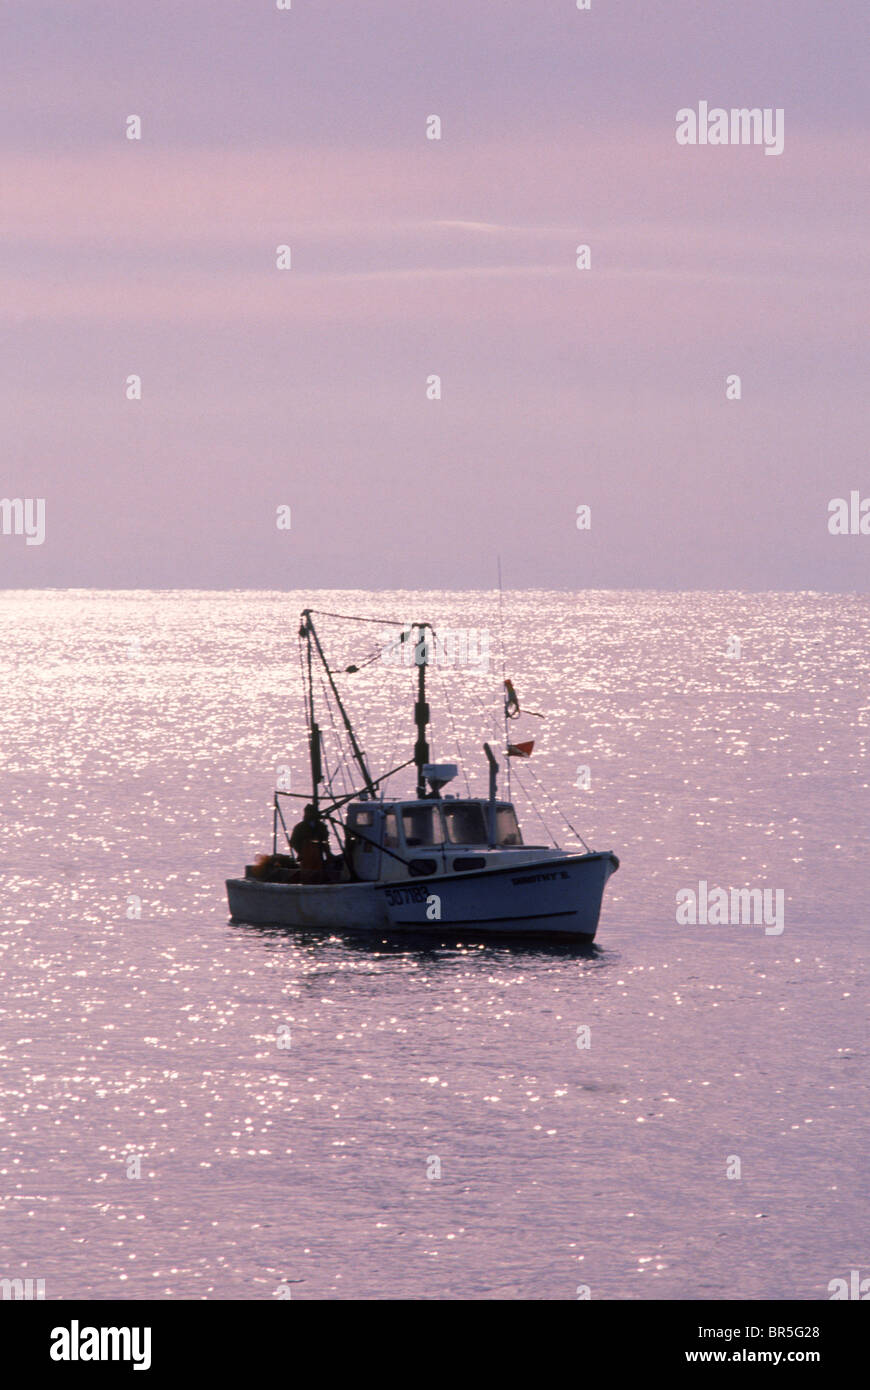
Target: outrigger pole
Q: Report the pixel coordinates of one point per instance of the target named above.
(314, 751)
(338, 801)
(308, 631)
(421, 712)
(335, 805)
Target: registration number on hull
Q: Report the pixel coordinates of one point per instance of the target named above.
(398, 897)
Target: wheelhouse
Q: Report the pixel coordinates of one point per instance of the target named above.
(435, 824)
(420, 838)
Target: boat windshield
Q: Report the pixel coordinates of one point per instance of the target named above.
(507, 832)
(422, 826)
(465, 823)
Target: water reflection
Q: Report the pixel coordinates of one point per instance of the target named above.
(440, 947)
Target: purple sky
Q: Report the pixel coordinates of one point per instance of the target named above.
(411, 257)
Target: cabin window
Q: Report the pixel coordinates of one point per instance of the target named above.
(507, 832)
(422, 826)
(465, 823)
(391, 831)
(362, 819)
(422, 868)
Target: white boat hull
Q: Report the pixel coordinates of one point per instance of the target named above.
(554, 896)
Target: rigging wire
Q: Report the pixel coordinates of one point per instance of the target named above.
(503, 672)
(302, 678)
(459, 752)
(554, 803)
(383, 790)
(351, 618)
(538, 812)
(302, 675)
(376, 655)
(342, 766)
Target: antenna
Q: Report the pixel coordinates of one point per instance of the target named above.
(503, 672)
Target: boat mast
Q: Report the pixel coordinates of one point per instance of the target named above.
(421, 709)
(357, 751)
(306, 631)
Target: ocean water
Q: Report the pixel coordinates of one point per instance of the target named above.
(142, 734)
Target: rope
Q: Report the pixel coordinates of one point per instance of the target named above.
(503, 671)
(302, 675)
(538, 812)
(459, 752)
(342, 765)
(350, 618)
(389, 761)
(559, 810)
(370, 659)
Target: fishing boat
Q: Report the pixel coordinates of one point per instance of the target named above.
(432, 862)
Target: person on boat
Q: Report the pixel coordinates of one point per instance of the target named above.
(309, 841)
